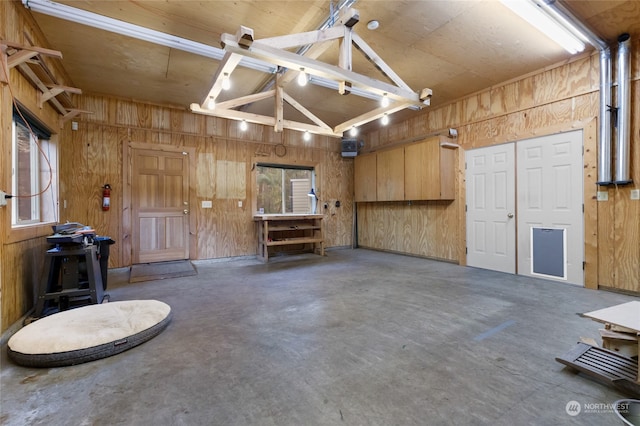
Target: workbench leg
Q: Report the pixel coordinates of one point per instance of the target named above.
(96, 292)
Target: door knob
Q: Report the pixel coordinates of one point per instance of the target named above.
(185, 211)
(510, 215)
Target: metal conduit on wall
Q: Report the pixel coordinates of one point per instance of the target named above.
(624, 112)
(604, 122)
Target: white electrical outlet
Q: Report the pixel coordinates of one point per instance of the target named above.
(602, 196)
(3, 201)
(635, 194)
(239, 203)
(207, 204)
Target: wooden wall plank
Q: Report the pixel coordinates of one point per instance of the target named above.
(590, 138)
(554, 100)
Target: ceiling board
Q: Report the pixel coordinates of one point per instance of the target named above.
(453, 47)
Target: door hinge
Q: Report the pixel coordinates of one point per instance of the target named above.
(465, 207)
(466, 250)
(584, 265)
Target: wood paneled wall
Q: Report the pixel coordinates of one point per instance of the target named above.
(92, 156)
(560, 98)
(224, 158)
(21, 250)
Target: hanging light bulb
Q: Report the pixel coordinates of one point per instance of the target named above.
(226, 82)
(211, 103)
(384, 102)
(353, 131)
(306, 136)
(243, 125)
(302, 78)
(384, 120)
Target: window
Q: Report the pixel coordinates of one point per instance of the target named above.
(33, 179)
(284, 189)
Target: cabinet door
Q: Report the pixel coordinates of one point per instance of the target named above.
(390, 176)
(448, 173)
(422, 171)
(429, 171)
(365, 178)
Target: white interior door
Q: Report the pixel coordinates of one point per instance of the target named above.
(490, 193)
(550, 196)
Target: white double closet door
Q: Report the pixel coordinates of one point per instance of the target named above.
(525, 207)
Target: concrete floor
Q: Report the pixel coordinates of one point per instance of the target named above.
(356, 337)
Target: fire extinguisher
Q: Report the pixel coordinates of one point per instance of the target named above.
(106, 197)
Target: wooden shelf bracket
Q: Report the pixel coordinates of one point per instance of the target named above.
(28, 60)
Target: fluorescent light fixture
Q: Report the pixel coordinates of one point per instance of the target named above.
(243, 125)
(555, 30)
(302, 78)
(384, 120)
(91, 19)
(226, 82)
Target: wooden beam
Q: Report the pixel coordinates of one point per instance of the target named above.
(38, 50)
(244, 100)
(33, 78)
(20, 58)
(369, 116)
(68, 89)
(303, 39)
(314, 52)
(4, 66)
(229, 62)
(372, 56)
(45, 96)
(279, 106)
(321, 69)
(305, 111)
(55, 90)
(265, 120)
(345, 60)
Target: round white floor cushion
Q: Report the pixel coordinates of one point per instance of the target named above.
(88, 333)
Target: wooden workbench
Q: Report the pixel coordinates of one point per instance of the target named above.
(288, 230)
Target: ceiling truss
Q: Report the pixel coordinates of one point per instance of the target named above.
(274, 50)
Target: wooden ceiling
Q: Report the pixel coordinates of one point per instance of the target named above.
(452, 47)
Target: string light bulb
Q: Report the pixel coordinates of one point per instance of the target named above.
(353, 131)
(384, 102)
(226, 82)
(306, 136)
(302, 78)
(384, 120)
(211, 103)
(243, 125)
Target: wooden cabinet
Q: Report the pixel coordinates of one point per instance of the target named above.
(295, 231)
(429, 171)
(423, 170)
(365, 169)
(390, 175)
